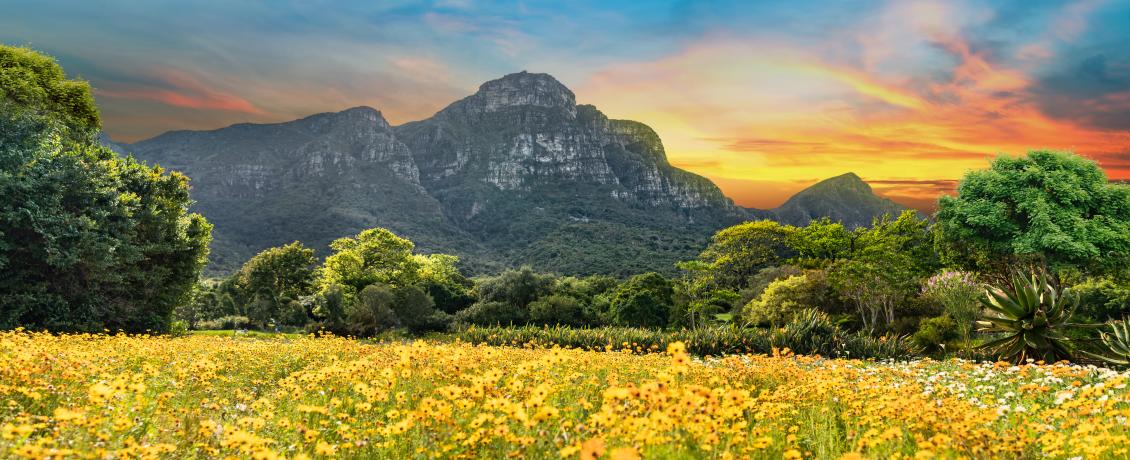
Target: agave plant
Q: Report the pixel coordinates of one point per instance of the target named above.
(1033, 317)
(1117, 344)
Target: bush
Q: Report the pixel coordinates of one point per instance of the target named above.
(643, 301)
(934, 334)
(1102, 299)
(783, 299)
(225, 323)
(492, 313)
(812, 334)
(371, 311)
(558, 309)
(515, 287)
(416, 311)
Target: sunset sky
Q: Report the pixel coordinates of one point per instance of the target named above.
(762, 97)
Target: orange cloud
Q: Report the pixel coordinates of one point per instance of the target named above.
(767, 113)
(182, 90)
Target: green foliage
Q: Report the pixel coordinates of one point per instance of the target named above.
(515, 287)
(100, 241)
(1046, 207)
(812, 334)
(493, 313)
(444, 282)
(934, 334)
(737, 253)
(274, 279)
(374, 256)
(1033, 319)
(821, 242)
(643, 301)
(225, 323)
(785, 298)
(558, 309)
(33, 86)
(416, 311)
(1102, 298)
(959, 294)
(371, 312)
(889, 261)
(1117, 344)
(88, 241)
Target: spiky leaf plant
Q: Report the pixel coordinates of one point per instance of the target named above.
(1033, 318)
(1117, 344)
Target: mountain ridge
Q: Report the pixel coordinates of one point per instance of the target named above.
(516, 173)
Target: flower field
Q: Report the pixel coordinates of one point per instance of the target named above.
(98, 396)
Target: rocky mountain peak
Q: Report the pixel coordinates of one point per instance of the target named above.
(359, 114)
(849, 182)
(524, 89)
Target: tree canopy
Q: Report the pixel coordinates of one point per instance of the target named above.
(1047, 207)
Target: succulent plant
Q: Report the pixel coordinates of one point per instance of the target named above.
(1117, 343)
(1033, 317)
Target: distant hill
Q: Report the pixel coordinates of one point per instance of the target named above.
(845, 198)
(514, 174)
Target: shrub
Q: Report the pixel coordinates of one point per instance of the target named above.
(416, 311)
(812, 334)
(558, 309)
(644, 301)
(959, 294)
(225, 323)
(492, 313)
(935, 333)
(371, 311)
(784, 298)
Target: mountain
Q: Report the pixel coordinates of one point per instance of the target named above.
(545, 181)
(516, 174)
(845, 198)
(314, 180)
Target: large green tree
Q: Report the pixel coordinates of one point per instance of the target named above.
(737, 253)
(1047, 207)
(374, 256)
(88, 240)
(644, 300)
(274, 279)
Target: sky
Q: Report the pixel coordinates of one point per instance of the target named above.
(762, 97)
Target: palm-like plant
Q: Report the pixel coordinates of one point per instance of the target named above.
(1117, 344)
(1033, 317)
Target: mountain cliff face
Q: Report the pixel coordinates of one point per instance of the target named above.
(522, 165)
(314, 180)
(845, 198)
(515, 174)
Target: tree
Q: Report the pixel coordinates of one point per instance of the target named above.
(371, 312)
(1048, 208)
(88, 240)
(276, 277)
(890, 259)
(516, 287)
(443, 281)
(737, 253)
(783, 299)
(416, 311)
(374, 256)
(558, 309)
(821, 242)
(34, 91)
(644, 300)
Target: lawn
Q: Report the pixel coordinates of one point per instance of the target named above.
(202, 396)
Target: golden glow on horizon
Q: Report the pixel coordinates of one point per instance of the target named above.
(765, 121)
